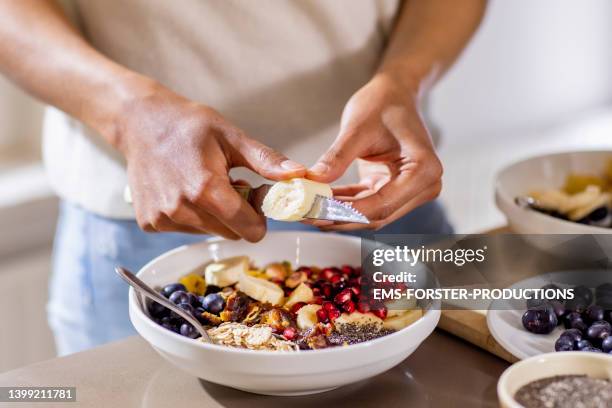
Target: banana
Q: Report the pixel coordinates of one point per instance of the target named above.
(227, 271)
(261, 289)
(398, 307)
(290, 200)
(307, 316)
(302, 293)
(398, 322)
(358, 318)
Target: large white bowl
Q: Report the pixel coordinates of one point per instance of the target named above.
(596, 365)
(266, 372)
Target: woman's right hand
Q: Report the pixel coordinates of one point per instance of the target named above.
(178, 156)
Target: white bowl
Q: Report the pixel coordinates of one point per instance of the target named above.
(597, 365)
(266, 372)
(542, 231)
(541, 173)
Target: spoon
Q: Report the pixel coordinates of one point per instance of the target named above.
(147, 291)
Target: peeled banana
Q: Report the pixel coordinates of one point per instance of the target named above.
(261, 289)
(358, 319)
(398, 322)
(307, 316)
(302, 293)
(227, 271)
(291, 200)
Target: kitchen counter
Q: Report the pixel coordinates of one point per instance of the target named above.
(444, 371)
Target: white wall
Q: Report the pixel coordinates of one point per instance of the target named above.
(533, 67)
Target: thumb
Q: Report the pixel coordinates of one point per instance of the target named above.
(267, 162)
(332, 165)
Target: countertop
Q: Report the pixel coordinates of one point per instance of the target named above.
(444, 371)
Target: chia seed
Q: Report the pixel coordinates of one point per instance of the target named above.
(351, 333)
(566, 391)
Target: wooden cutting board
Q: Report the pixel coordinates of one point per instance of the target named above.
(471, 325)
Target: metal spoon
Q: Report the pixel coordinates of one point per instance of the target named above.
(147, 291)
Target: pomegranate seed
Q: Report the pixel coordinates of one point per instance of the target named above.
(335, 279)
(347, 270)
(356, 290)
(316, 291)
(306, 270)
(358, 271)
(343, 296)
(349, 307)
(328, 306)
(317, 300)
(327, 273)
(380, 312)
(297, 306)
(333, 314)
(289, 333)
(363, 307)
(322, 315)
(326, 291)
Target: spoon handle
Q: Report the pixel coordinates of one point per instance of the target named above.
(146, 290)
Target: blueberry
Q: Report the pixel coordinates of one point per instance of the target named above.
(577, 305)
(582, 344)
(574, 334)
(571, 316)
(583, 292)
(558, 308)
(534, 303)
(186, 307)
(157, 310)
(599, 330)
(180, 296)
(604, 301)
(211, 289)
(553, 287)
(171, 288)
(539, 321)
(578, 324)
(213, 303)
(193, 300)
(188, 330)
(591, 349)
(564, 344)
(600, 217)
(605, 289)
(198, 314)
(606, 344)
(168, 323)
(594, 313)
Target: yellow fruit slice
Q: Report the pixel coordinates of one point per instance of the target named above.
(577, 183)
(302, 293)
(194, 283)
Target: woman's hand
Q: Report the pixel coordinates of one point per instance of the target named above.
(382, 126)
(178, 156)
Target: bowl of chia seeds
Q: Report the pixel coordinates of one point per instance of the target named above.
(558, 380)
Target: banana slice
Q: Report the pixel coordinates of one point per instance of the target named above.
(291, 200)
(400, 321)
(302, 293)
(357, 318)
(227, 271)
(307, 316)
(261, 289)
(398, 307)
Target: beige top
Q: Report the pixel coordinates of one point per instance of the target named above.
(281, 70)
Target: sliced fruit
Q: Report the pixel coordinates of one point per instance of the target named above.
(291, 200)
(194, 283)
(302, 293)
(261, 289)
(577, 183)
(398, 307)
(307, 316)
(398, 322)
(358, 318)
(227, 271)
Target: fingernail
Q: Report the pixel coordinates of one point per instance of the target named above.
(291, 165)
(319, 168)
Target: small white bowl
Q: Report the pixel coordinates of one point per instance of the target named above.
(596, 365)
(541, 173)
(266, 372)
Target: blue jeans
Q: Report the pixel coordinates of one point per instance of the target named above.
(88, 303)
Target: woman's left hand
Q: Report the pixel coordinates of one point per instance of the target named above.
(382, 126)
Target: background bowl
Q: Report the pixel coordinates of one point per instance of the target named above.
(597, 365)
(267, 372)
(553, 235)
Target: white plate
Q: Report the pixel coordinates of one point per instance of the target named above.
(507, 328)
